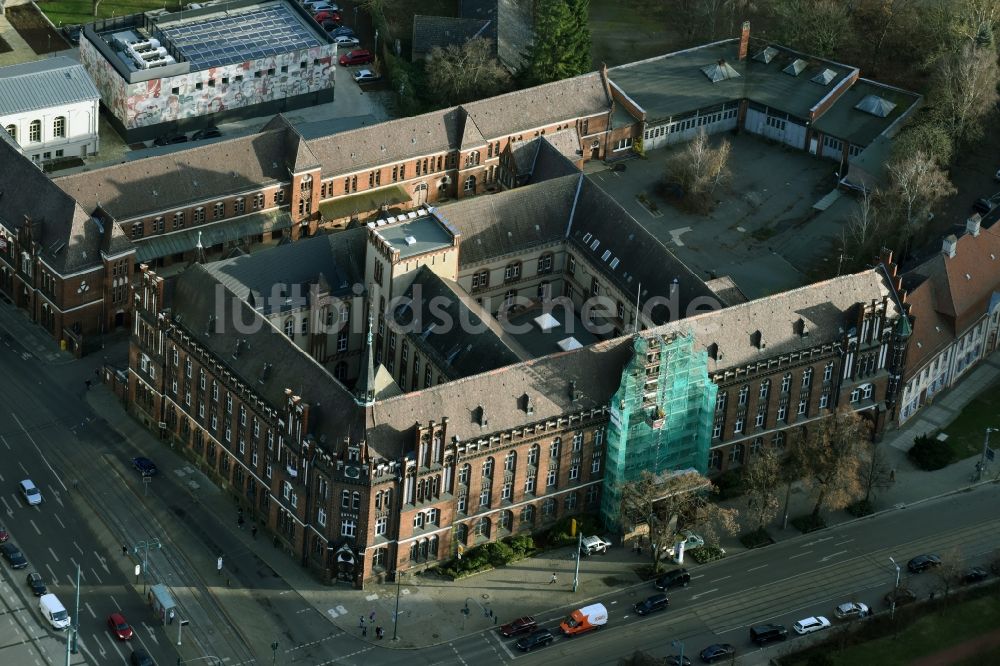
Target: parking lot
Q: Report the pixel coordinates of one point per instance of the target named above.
(763, 231)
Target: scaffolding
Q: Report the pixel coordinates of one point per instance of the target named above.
(661, 416)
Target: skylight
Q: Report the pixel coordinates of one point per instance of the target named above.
(825, 77)
(875, 105)
(720, 71)
(766, 55)
(795, 67)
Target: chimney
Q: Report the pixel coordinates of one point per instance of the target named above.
(745, 40)
(948, 246)
(972, 224)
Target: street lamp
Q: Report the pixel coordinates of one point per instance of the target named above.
(895, 591)
(395, 616)
(986, 453)
(145, 556)
(680, 646)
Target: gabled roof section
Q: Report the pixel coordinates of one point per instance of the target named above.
(511, 221)
(70, 239)
(43, 84)
(471, 136)
(720, 71)
(141, 186)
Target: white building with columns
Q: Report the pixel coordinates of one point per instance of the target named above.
(50, 108)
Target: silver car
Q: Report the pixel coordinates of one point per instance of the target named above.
(851, 610)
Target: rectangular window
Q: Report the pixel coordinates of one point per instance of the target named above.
(551, 478)
(381, 525)
(348, 528)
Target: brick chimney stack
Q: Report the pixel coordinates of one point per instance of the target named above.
(745, 40)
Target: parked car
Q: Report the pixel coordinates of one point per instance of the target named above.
(652, 604)
(540, 638)
(15, 558)
(170, 139)
(331, 26)
(322, 6)
(717, 652)
(320, 17)
(676, 660)
(140, 657)
(365, 76)
(356, 57)
(519, 626)
(690, 541)
(342, 31)
(921, 563)
(118, 627)
(763, 634)
(593, 544)
(675, 578)
(974, 575)
(72, 33)
(32, 495)
(3, 535)
(346, 41)
(901, 596)
(810, 625)
(211, 132)
(982, 206)
(36, 584)
(144, 466)
(851, 610)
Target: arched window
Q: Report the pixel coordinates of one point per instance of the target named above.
(483, 528)
(340, 371)
(510, 461)
(472, 159)
(35, 131)
(59, 126)
(512, 271)
(488, 467)
(506, 520)
(470, 184)
(290, 327)
(462, 533)
(549, 507)
(463, 473)
(12, 130)
(533, 455)
(528, 515)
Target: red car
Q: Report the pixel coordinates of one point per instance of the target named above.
(327, 16)
(519, 626)
(356, 57)
(119, 627)
(3, 535)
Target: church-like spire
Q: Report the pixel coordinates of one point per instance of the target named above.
(365, 389)
(201, 250)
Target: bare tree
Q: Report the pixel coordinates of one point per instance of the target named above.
(467, 72)
(711, 520)
(876, 474)
(829, 455)
(916, 184)
(863, 226)
(814, 26)
(949, 572)
(761, 478)
(964, 91)
(699, 168)
(875, 20)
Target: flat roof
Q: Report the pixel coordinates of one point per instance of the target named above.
(234, 35)
(674, 84)
(414, 235)
(846, 122)
(538, 342)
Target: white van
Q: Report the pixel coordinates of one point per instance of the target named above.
(53, 611)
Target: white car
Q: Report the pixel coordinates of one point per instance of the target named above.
(321, 6)
(346, 41)
(811, 624)
(690, 541)
(30, 492)
(851, 610)
(593, 544)
(366, 76)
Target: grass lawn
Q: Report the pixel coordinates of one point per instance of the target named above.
(931, 633)
(967, 432)
(66, 12)
(628, 30)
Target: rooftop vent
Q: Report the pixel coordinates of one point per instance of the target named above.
(766, 55)
(481, 417)
(875, 105)
(795, 67)
(410, 240)
(720, 71)
(825, 77)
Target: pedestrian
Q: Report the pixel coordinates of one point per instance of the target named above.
(87, 382)
(553, 579)
(364, 630)
(892, 475)
(170, 616)
(239, 522)
(361, 622)
(494, 619)
(378, 632)
(253, 531)
(371, 616)
(124, 550)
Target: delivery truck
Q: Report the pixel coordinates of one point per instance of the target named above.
(585, 619)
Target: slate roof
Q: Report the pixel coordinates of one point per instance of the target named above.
(140, 187)
(629, 255)
(335, 259)
(442, 31)
(546, 157)
(511, 221)
(511, 25)
(438, 332)
(70, 239)
(42, 84)
(199, 295)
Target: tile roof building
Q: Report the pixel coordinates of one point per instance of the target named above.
(50, 108)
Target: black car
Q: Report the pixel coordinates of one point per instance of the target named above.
(717, 652)
(170, 139)
(519, 626)
(144, 466)
(923, 562)
(540, 638)
(13, 556)
(652, 604)
(140, 657)
(982, 206)
(763, 634)
(974, 575)
(72, 33)
(36, 584)
(675, 578)
(901, 597)
(207, 133)
(676, 660)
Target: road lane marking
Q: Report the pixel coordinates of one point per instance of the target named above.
(5, 443)
(813, 543)
(59, 520)
(716, 580)
(52, 574)
(792, 557)
(32, 521)
(10, 511)
(96, 576)
(841, 543)
(103, 561)
(54, 556)
(701, 594)
(77, 545)
(832, 555)
(755, 568)
(37, 448)
(92, 613)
